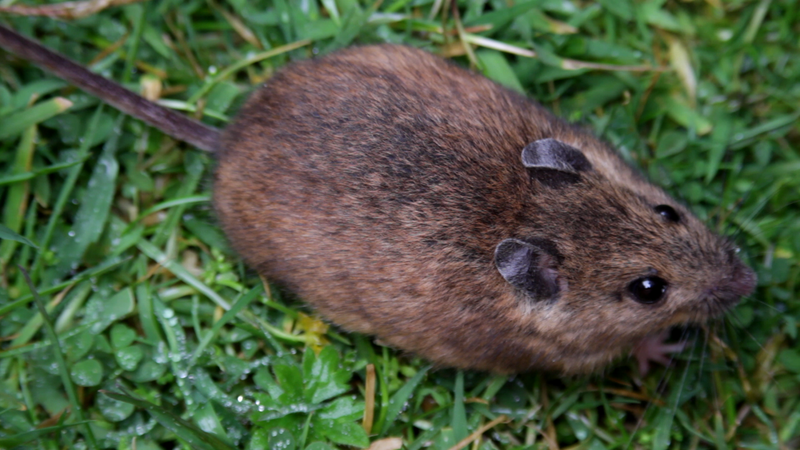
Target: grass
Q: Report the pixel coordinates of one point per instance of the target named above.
(164, 338)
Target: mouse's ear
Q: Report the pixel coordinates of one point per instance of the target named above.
(553, 162)
(528, 267)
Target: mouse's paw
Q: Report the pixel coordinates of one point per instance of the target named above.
(652, 348)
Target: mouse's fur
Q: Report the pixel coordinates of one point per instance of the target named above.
(377, 183)
(405, 197)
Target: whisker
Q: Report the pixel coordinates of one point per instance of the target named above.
(741, 327)
(765, 351)
(681, 386)
(703, 352)
(661, 382)
(721, 219)
(753, 299)
(759, 207)
(639, 423)
(712, 385)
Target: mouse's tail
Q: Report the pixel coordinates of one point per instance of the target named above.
(173, 124)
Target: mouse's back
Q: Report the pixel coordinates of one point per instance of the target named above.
(407, 198)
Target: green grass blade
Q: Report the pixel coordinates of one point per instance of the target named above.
(502, 17)
(154, 253)
(30, 436)
(194, 173)
(68, 186)
(185, 430)
(497, 68)
(63, 369)
(16, 123)
(9, 234)
(101, 268)
(16, 201)
(239, 305)
(458, 420)
(95, 206)
(239, 65)
(399, 399)
(158, 256)
(25, 176)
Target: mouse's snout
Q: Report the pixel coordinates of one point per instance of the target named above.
(738, 281)
(742, 280)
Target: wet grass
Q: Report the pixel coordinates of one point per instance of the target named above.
(144, 331)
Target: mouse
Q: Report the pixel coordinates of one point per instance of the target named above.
(407, 198)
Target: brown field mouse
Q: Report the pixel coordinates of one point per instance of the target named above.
(407, 198)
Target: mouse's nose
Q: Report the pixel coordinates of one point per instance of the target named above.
(739, 281)
(743, 280)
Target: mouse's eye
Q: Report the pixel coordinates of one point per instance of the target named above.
(668, 213)
(648, 289)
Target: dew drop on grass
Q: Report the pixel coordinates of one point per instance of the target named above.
(161, 354)
(281, 439)
(87, 373)
(128, 358)
(53, 368)
(206, 422)
(114, 410)
(263, 439)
